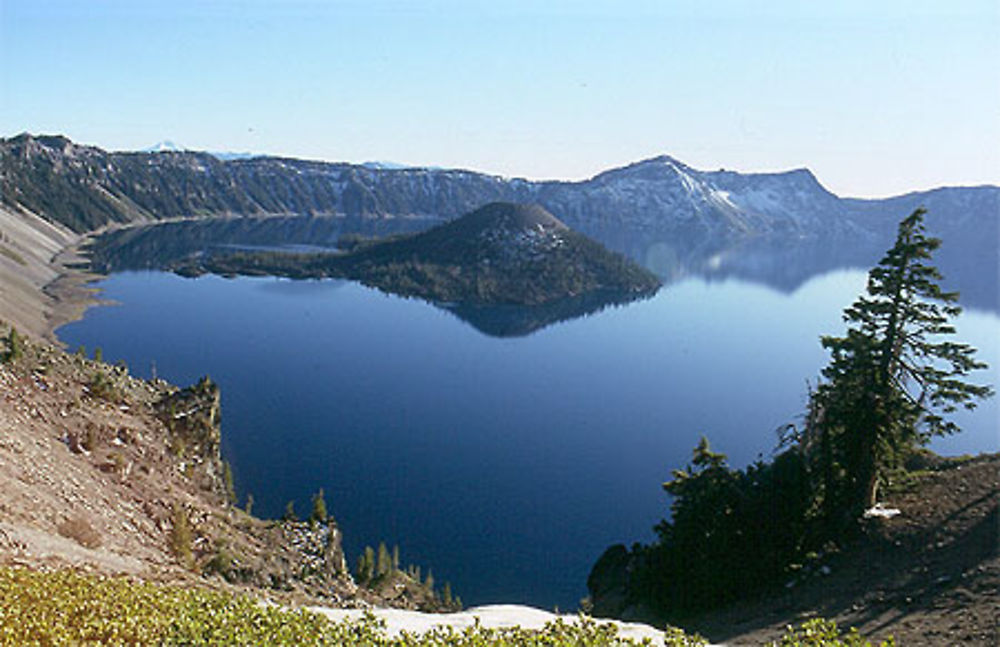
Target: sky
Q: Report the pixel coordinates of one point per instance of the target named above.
(876, 98)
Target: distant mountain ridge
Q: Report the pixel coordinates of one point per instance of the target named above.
(86, 187)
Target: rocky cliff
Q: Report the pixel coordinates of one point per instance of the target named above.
(104, 472)
(84, 187)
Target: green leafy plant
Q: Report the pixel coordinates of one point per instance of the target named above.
(319, 514)
(69, 608)
(290, 512)
(15, 345)
(103, 387)
(181, 536)
(227, 482)
(820, 632)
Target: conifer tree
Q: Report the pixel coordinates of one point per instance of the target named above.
(429, 582)
(365, 566)
(384, 565)
(890, 379)
(14, 344)
(319, 514)
(227, 482)
(181, 536)
(290, 512)
(369, 563)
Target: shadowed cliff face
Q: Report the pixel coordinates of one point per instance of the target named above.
(85, 187)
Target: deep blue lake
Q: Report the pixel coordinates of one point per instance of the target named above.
(506, 465)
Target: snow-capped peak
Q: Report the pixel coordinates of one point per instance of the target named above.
(165, 146)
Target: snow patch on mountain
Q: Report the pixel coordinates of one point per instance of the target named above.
(165, 146)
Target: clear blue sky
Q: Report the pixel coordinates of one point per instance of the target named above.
(876, 98)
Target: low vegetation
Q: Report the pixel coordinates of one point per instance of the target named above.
(825, 633)
(65, 607)
(15, 346)
(79, 529)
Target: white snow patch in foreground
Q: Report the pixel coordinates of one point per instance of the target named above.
(492, 616)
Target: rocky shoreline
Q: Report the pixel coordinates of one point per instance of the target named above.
(104, 472)
(41, 285)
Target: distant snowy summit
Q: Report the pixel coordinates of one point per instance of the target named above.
(378, 165)
(226, 156)
(165, 146)
(659, 199)
(168, 146)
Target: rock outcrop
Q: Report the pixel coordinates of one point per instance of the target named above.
(103, 473)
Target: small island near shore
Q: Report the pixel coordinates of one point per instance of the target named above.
(501, 253)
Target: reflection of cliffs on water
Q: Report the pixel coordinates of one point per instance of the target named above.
(520, 321)
(967, 257)
(159, 246)
(785, 264)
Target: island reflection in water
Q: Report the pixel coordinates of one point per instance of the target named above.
(781, 263)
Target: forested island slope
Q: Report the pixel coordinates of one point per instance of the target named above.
(502, 253)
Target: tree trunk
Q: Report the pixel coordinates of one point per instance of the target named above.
(871, 492)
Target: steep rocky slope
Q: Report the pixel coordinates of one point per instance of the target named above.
(928, 576)
(35, 295)
(84, 187)
(104, 472)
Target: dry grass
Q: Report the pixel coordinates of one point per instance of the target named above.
(81, 531)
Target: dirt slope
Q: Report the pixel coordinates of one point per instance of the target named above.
(38, 292)
(928, 576)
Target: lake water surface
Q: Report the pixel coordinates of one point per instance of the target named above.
(506, 465)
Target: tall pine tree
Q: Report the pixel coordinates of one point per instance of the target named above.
(891, 378)
(319, 513)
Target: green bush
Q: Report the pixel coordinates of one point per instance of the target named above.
(103, 387)
(181, 536)
(15, 346)
(319, 513)
(68, 608)
(825, 633)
